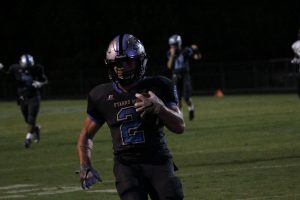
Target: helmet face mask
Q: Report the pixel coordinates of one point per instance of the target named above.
(126, 59)
(125, 69)
(26, 60)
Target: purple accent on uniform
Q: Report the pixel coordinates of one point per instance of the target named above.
(116, 88)
(190, 51)
(25, 77)
(93, 119)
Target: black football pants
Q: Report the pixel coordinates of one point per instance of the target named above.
(30, 108)
(137, 181)
(183, 85)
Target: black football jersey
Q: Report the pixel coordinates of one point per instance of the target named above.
(181, 61)
(134, 138)
(25, 77)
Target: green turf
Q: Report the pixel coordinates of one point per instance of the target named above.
(238, 147)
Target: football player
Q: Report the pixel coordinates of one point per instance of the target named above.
(30, 78)
(178, 63)
(136, 109)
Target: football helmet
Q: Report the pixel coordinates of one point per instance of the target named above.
(175, 40)
(26, 60)
(296, 47)
(126, 59)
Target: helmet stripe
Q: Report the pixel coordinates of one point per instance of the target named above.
(124, 41)
(27, 59)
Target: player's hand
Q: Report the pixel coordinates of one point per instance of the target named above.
(1, 66)
(88, 176)
(37, 84)
(194, 47)
(151, 104)
(196, 53)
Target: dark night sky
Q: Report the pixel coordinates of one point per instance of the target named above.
(66, 34)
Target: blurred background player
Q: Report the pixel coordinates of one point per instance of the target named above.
(296, 60)
(178, 63)
(142, 162)
(30, 78)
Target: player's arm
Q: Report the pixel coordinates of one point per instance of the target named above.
(42, 79)
(39, 84)
(88, 175)
(171, 57)
(171, 115)
(84, 142)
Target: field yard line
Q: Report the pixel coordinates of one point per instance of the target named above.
(242, 169)
(12, 196)
(69, 189)
(17, 186)
(103, 191)
(51, 191)
(21, 191)
(42, 191)
(271, 197)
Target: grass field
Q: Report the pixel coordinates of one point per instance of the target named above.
(238, 147)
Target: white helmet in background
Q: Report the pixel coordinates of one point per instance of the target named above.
(296, 47)
(175, 40)
(26, 60)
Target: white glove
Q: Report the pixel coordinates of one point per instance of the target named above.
(37, 84)
(194, 47)
(151, 105)
(1, 66)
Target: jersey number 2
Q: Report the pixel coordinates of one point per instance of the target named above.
(131, 132)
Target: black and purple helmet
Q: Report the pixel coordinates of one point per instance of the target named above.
(175, 40)
(126, 47)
